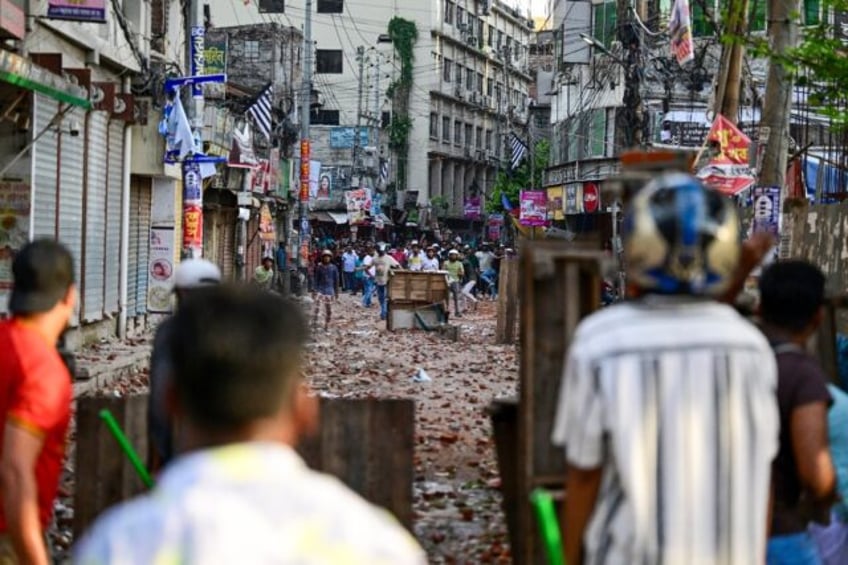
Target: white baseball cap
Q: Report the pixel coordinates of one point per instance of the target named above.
(195, 273)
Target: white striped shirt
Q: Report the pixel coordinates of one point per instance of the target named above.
(675, 400)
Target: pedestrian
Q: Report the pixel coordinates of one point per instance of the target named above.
(326, 288)
(415, 259)
(368, 273)
(35, 398)
(455, 271)
(803, 476)
(359, 274)
(349, 269)
(264, 273)
(241, 493)
(668, 400)
(383, 265)
(430, 261)
(190, 275)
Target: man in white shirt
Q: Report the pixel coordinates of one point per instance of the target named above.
(369, 273)
(241, 494)
(415, 257)
(667, 410)
(349, 269)
(430, 261)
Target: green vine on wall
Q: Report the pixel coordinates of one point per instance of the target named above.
(403, 34)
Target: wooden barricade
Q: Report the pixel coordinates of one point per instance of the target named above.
(508, 306)
(559, 287)
(424, 293)
(367, 443)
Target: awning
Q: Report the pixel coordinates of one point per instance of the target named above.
(23, 73)
(338, 217)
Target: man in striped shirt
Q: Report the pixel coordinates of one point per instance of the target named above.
(667, 409)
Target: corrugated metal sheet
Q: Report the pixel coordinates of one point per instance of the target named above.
(95, 229)
(71, 160)
(142, 215)
(113, 213)
(45, 182)
(134, 244)
(219, 225)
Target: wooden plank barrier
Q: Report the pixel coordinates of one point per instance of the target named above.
(367, 443)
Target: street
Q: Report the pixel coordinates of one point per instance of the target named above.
(458, 517)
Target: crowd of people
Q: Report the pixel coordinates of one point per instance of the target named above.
(691, 434)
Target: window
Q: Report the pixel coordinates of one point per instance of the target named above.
(325, 117)
(480, 83)
(385, 119)
(330, 6)
(812, 9)
(434, 125)
(448, 12)
(469, 135)
(329, 61)
(491, 39)
(604, 20)
(757, 15)
(446, 70)
(459, 69)
(457, 132)
(479, 33)
(498, 147)
(500, 40)
(597, 133)
(479, 137)
(251, 50)
(460, 17)
(446, 129)
(469, 79)
(488, 140)
(272, 6)
(489, 86)
(499, 94)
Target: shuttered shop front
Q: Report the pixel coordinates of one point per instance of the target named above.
(71, 178)
(95, 229)
(45, 179)
(140, 202)
(113, 213)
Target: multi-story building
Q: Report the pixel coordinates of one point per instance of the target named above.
(470, 88)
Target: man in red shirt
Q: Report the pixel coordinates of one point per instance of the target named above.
(35, 398)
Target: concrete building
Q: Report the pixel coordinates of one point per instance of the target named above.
(470, 88)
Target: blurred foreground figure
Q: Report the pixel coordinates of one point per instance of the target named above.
(35, 398)
(668, 413)
(241, 494)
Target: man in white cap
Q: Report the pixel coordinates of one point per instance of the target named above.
(191, 274)
(455, 274)
(415, 258)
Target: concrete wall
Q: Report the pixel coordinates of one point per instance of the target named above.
(820, 235)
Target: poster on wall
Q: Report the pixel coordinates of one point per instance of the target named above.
(472, 208)
(314, 178)
(494, 226)
(766, 210)
(77, 10)
(325, 185)
(160, 271)
(14, 229)
(358, 205)
(534, 208)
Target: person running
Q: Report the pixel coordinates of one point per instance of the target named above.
(455, 274)
(667, 410)
(791, 299)
(35, 398)
(240, 493)
(368, 273)
(430, 262)
(264, 273)
(326, 288)
(191, 274)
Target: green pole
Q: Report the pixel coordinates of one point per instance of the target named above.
(126, 447)
(543, 502)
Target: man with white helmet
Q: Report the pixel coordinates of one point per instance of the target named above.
(667, 408)
(191, 274)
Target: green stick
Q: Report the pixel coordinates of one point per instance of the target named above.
(126, 447)
(543, 502)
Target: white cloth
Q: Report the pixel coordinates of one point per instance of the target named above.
(485, 258)
(368, 263)
(676, 402)
(252, 503)
(430, 264)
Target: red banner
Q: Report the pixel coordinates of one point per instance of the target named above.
(193, 226)
(732, 142)
(304, 170)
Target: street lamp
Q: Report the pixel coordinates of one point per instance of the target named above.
(602, 48)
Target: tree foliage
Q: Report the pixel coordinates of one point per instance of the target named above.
(511, 183)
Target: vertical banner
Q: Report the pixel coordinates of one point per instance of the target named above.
(314, 177)
(471, 208)
(680, 30)
(358, 205)
(198, 57)
(493, 227)
(160, 270)
(533, 208)
(767, 204)
(304, 170)
(192, 210)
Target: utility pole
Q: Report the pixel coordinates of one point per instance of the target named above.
(774, 125)
(360, 57)
(306, 99)
(629, 122)
(730, 75)
(192, 213)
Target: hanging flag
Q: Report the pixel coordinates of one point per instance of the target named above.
(260, 111)
(507, 205)
(519, 150)
(680, 30)
(180, 138)
(384, 172)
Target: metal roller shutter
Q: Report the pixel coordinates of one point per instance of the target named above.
(145, 197)
(45, 171)
(115, 183)
(134, 244)
(71, 159)
(95, 215)
(227, 241)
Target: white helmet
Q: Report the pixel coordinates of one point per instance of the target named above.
(195, 273)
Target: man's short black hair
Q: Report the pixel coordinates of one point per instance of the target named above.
(43, 271)
(791, 292)
(237, 353)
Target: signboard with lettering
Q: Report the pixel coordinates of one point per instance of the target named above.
(343, 137)
(215, 56)
(198, 56)
(77, 10)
